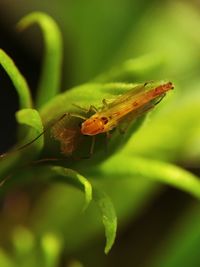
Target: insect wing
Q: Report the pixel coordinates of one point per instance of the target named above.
(138, 89)
(136, 92)
(67, 135)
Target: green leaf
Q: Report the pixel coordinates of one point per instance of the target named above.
(108, 217)
(154, 170)
(56, 174)
(18, 80)
(128, 196)
(51, 70)
(9, 161)
(69, 176)
(74, 178)
(132, 68)
(31, 118)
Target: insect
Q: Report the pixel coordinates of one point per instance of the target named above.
(125, 107)
(133, 103)
(112, 114)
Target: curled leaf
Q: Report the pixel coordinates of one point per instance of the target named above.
(108, 217)
(70, 176)
(31, 118)
(51, 70)
(18, 80)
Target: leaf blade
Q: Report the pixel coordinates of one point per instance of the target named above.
(133, 166)
(108, 217)
(31, 118)
(9, 160)
(17, 79)
(75, 179)
(51, 68)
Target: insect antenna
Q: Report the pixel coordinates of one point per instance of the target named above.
(35, 139)
(38, 162)
(27, 165)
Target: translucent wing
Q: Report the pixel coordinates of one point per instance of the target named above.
(66, 135)
(139, 89)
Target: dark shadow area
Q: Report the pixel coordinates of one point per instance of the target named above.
(28, 63)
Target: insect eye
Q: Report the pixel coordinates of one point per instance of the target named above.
(104, 120)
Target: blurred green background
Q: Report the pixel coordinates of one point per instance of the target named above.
(159, 226)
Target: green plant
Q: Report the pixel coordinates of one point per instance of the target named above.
(138, 164)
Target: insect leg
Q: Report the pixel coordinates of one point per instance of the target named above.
(92, 145)
(87, 110)
(77, 116)
(81, 108)
(91, 151)
(105, 103)
(92, 108)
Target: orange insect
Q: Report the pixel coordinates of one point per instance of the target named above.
(128, 106)
(125, 107)
(134, 103)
